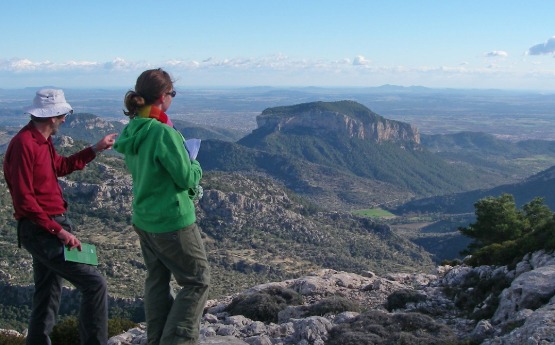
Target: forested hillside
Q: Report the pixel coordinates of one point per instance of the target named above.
(255, 230)
(509, 161)
(539, 185)
(328, 186)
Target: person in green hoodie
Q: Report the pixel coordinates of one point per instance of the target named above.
(164, 181)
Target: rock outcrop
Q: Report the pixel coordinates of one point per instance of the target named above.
(321, 118)
(427, 308)
(524, 311)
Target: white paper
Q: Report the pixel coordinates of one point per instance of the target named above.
(193, 145)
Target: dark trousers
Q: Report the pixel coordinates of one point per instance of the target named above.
(49, 268)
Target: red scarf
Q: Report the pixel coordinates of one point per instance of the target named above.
(155, 113)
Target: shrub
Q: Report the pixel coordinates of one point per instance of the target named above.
(499, 254)
(66, 332)
(264, 305)
(118, 326)
(400, 298)
(379, 328)
(333, 305)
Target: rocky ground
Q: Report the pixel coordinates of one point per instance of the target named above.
(399, 308)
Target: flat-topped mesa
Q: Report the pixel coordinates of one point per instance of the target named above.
(347, 118)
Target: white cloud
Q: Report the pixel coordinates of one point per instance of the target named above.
(277, 62)
(497, 53)
(275, 70)
(23, 65)
(360, 61)
(543, 48)
(121, 64)
(182, 64)
(81, 65)
(26, 65)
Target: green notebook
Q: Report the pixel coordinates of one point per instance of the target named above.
(87, 255)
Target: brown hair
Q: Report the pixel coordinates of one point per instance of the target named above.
(150, 85)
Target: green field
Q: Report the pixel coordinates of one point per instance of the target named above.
(374, 213)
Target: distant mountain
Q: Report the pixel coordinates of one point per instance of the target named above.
(485, 145)
(538, 185)
(497, 159)
(469, 142)
(342, 118)
(349, 137)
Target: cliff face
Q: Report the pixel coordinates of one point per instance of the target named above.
(364, 124)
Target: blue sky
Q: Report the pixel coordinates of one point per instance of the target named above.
(448, 44)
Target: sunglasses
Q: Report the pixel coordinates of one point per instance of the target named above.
(173, 93)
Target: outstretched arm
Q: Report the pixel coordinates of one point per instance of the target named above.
(77, 161)
(105, 143)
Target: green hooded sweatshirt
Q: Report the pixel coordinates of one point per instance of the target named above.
(162, 175)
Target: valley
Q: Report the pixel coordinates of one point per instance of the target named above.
(302, 188)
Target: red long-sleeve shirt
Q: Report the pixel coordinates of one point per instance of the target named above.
(31, 170)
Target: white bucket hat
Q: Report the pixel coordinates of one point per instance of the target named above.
(49, 103)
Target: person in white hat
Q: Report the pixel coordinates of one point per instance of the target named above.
(31, 170)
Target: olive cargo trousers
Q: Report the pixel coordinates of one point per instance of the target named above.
(174, 320)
